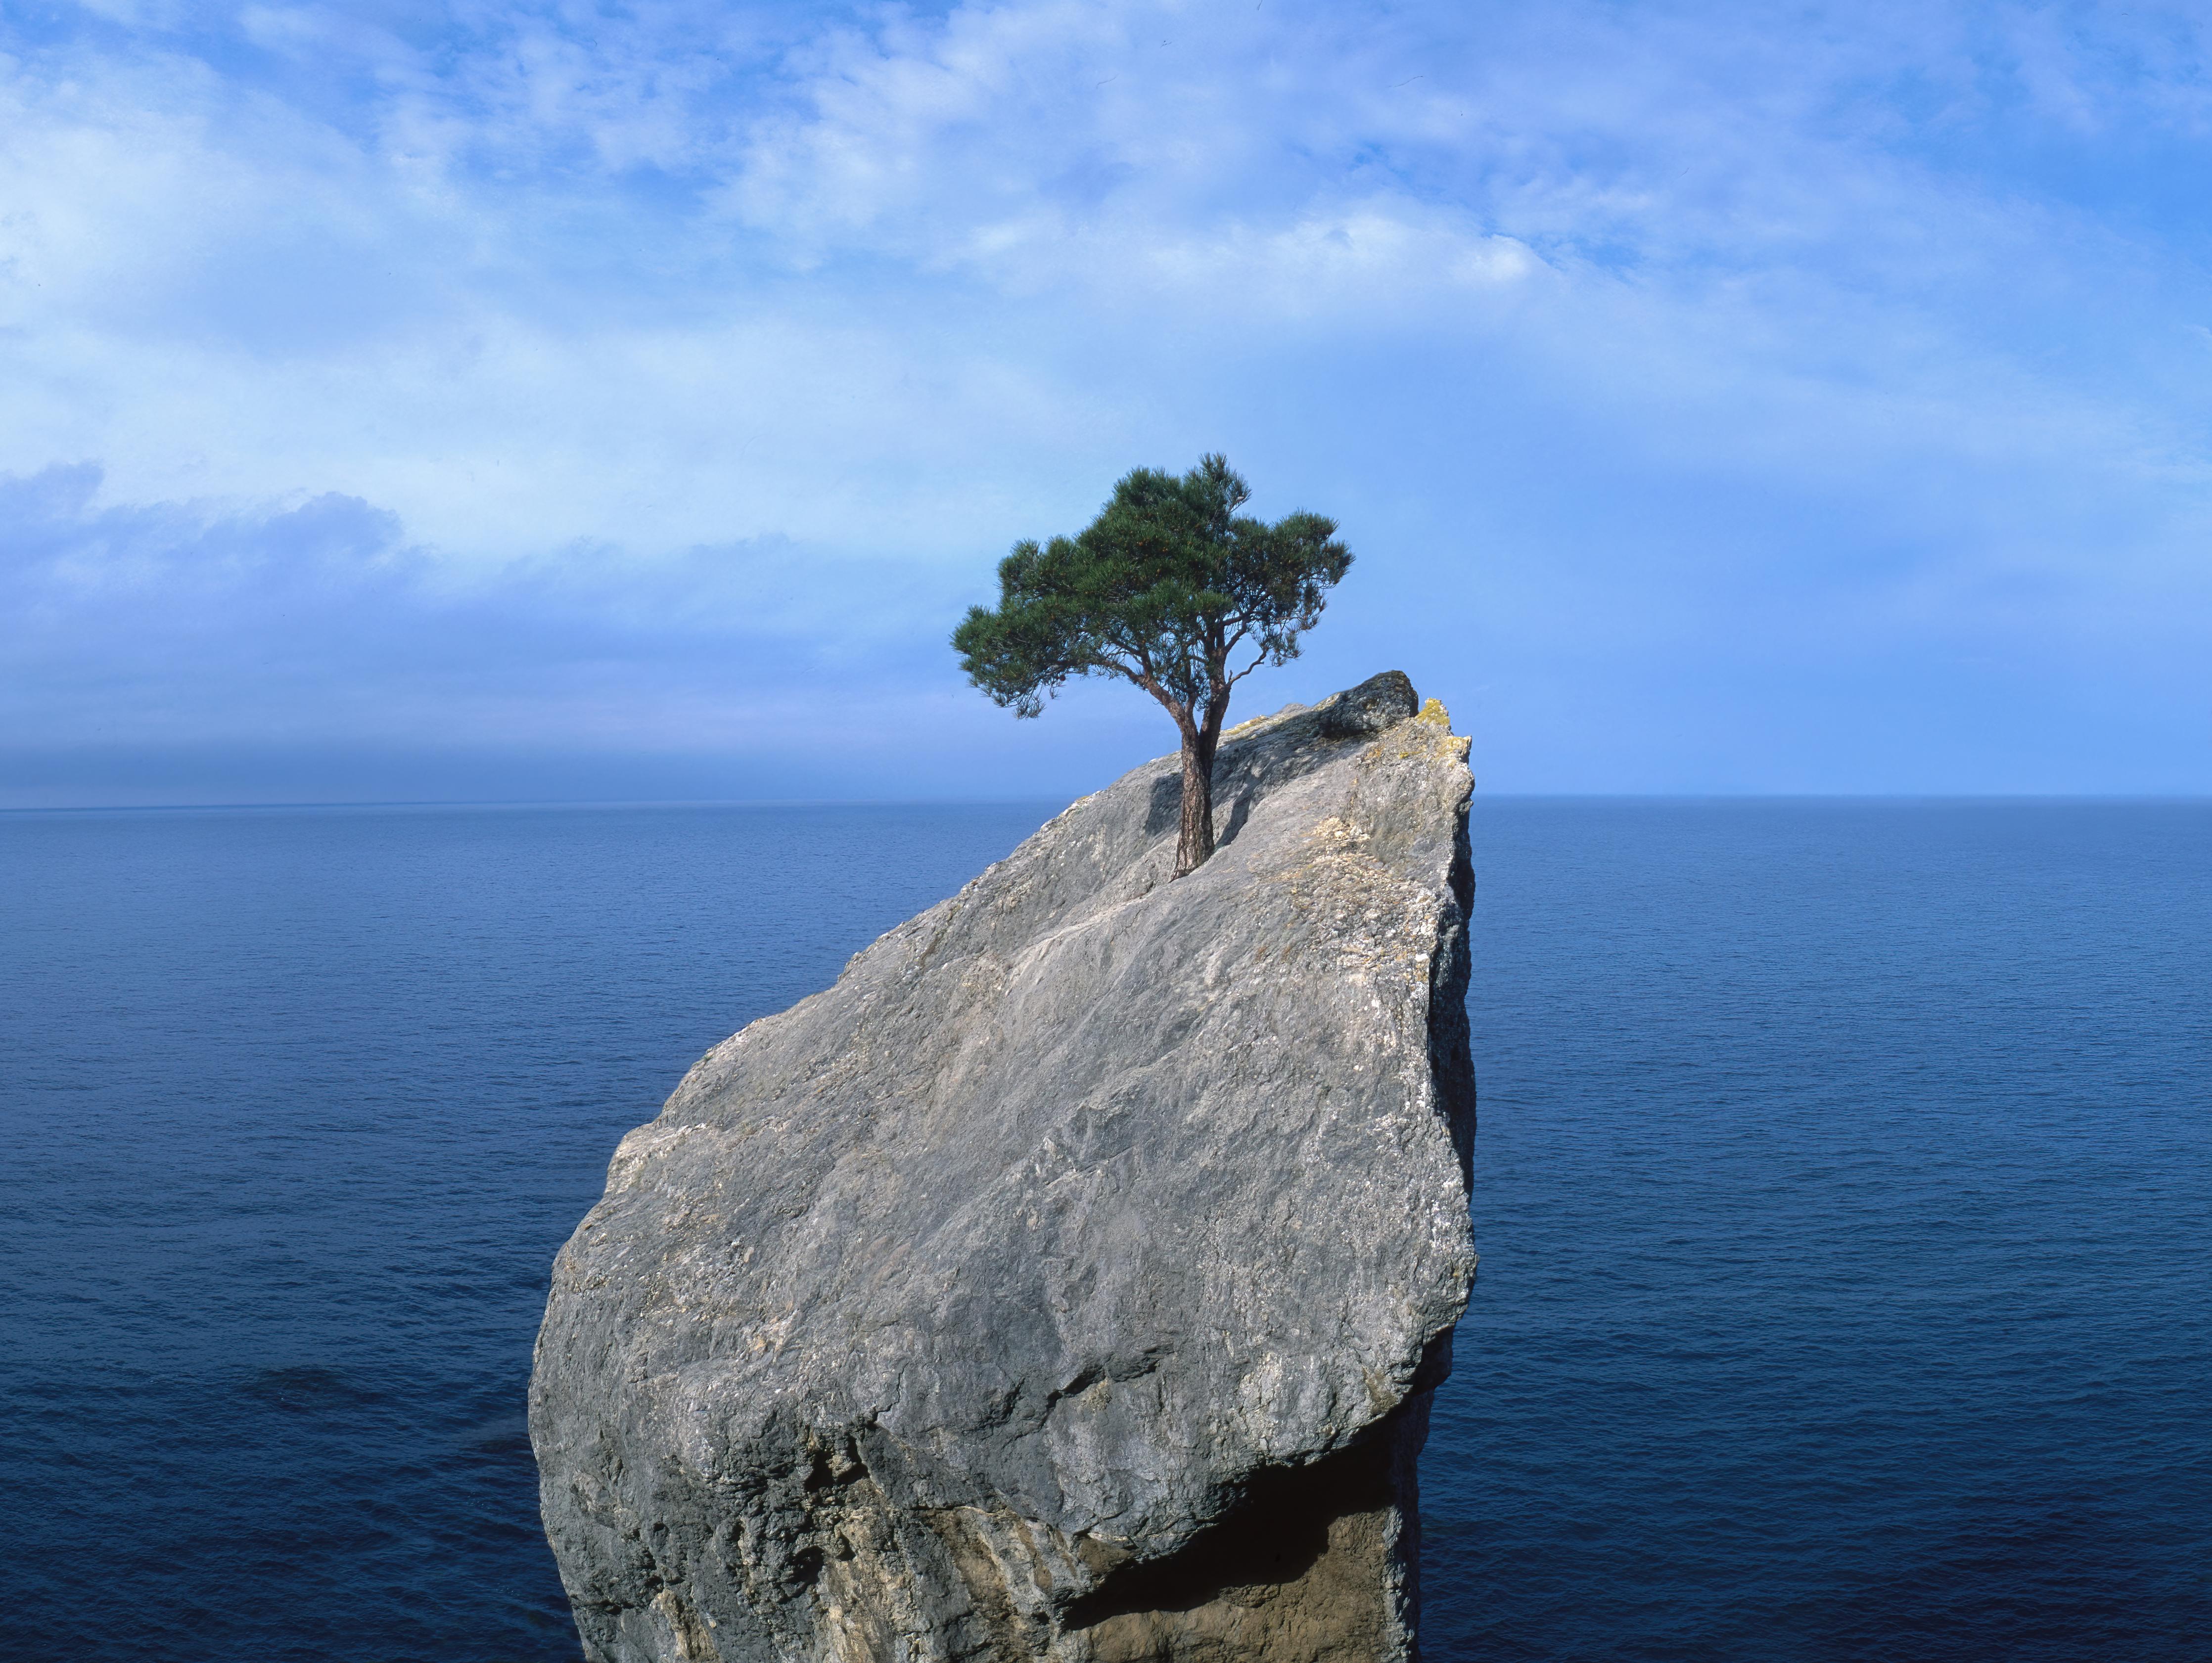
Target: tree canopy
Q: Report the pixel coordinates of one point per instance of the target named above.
(1172, 588)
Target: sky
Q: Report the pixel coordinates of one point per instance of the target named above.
(481, 402)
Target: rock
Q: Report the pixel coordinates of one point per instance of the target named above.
(1069, 1281)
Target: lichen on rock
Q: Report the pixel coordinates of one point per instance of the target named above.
(1069, 1281)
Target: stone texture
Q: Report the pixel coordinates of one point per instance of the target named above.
(1068, 1282)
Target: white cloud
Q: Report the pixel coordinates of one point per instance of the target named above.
(542, 280)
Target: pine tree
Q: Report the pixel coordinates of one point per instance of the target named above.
(1169, 588)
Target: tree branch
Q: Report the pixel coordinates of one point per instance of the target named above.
(1175, 706)
(1249, 668)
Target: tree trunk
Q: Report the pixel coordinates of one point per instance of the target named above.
(1195, 846)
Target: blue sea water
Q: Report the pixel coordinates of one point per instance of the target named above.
(1842, 1185)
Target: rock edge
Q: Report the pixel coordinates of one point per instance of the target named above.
(1069, 1281)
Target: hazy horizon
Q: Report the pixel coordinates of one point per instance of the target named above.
(1902, 799)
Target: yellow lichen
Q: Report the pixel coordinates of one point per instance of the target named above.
(1435, 714)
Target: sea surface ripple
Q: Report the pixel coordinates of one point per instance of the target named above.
(1841, 1188)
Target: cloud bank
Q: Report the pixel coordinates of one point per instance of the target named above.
(294, 651)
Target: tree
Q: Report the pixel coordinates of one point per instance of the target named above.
(1168, 587)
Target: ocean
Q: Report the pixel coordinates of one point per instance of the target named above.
(1843, 1189)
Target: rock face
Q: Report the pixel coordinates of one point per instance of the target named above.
(1069, 1281)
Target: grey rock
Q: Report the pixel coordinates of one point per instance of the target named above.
(1069, 1281)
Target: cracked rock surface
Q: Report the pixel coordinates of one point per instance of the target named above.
(1068, 1281)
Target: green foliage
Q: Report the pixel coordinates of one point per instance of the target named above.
(1169, 587)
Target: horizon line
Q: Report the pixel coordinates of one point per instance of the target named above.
(1899, 797)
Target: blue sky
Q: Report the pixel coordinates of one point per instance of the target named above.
(571, 401)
